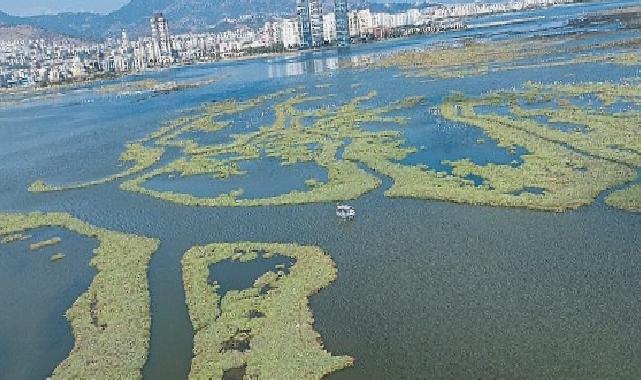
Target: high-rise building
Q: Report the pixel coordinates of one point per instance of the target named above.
(290, 33)
(124, 41)
(310, 20)
(160, 39)
(329, 28)
(342, 23)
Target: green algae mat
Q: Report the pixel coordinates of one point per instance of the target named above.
(264, 331)
(111, 320)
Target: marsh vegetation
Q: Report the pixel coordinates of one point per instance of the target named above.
(111, 319)
(267, 328)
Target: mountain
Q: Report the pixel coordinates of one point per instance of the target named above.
(25, 32)
(190, 15)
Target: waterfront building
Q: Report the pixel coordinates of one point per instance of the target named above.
(310, 20)
(290, 33)
(161, 39)
(329, 28)
(341, 23)
(25, 62)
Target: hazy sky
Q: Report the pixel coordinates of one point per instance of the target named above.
(38, 7)
(32, 7)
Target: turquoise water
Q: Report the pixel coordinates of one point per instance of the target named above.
(425, 288)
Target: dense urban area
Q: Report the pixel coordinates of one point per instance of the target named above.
(47, 61)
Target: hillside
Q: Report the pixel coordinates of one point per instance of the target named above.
(26, 32)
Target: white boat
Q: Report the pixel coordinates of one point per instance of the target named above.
(345, 212)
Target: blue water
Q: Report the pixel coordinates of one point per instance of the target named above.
(564, 127)
(238, 275)
(448, 142)
(35, 336)
(556, 294)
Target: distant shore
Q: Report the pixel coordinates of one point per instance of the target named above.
(96, 78)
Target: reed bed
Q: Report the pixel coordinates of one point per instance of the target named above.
(12, 238)
(477, 58)
(628, 199)
(111, 320)
(287, 140)
(571, 168)
(142, 158)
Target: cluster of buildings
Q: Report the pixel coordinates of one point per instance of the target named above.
(45, 62)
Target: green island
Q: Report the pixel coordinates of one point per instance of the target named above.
(628, 199)
(46, 243)
(111, 320)
(254, 333)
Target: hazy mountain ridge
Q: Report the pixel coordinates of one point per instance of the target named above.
(25, 32)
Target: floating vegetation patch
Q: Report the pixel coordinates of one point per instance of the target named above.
(628, 199)
(255, 334)
(45, 243)
(118, 298)
(11, 238)
(57, 257)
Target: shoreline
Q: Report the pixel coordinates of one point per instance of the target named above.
(81, 83)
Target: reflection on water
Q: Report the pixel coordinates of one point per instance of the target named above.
(305, 63)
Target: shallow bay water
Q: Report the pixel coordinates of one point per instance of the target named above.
(425, 289)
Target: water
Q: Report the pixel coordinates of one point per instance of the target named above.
(35, 336)
(425, 288)
(563, 127)
(237, 275)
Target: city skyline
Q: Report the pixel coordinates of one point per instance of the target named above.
(46, 7)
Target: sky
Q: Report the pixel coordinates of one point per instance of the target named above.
(36, 7)
(39, 7)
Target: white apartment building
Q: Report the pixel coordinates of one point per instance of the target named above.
(290, 33)
(329, 27)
